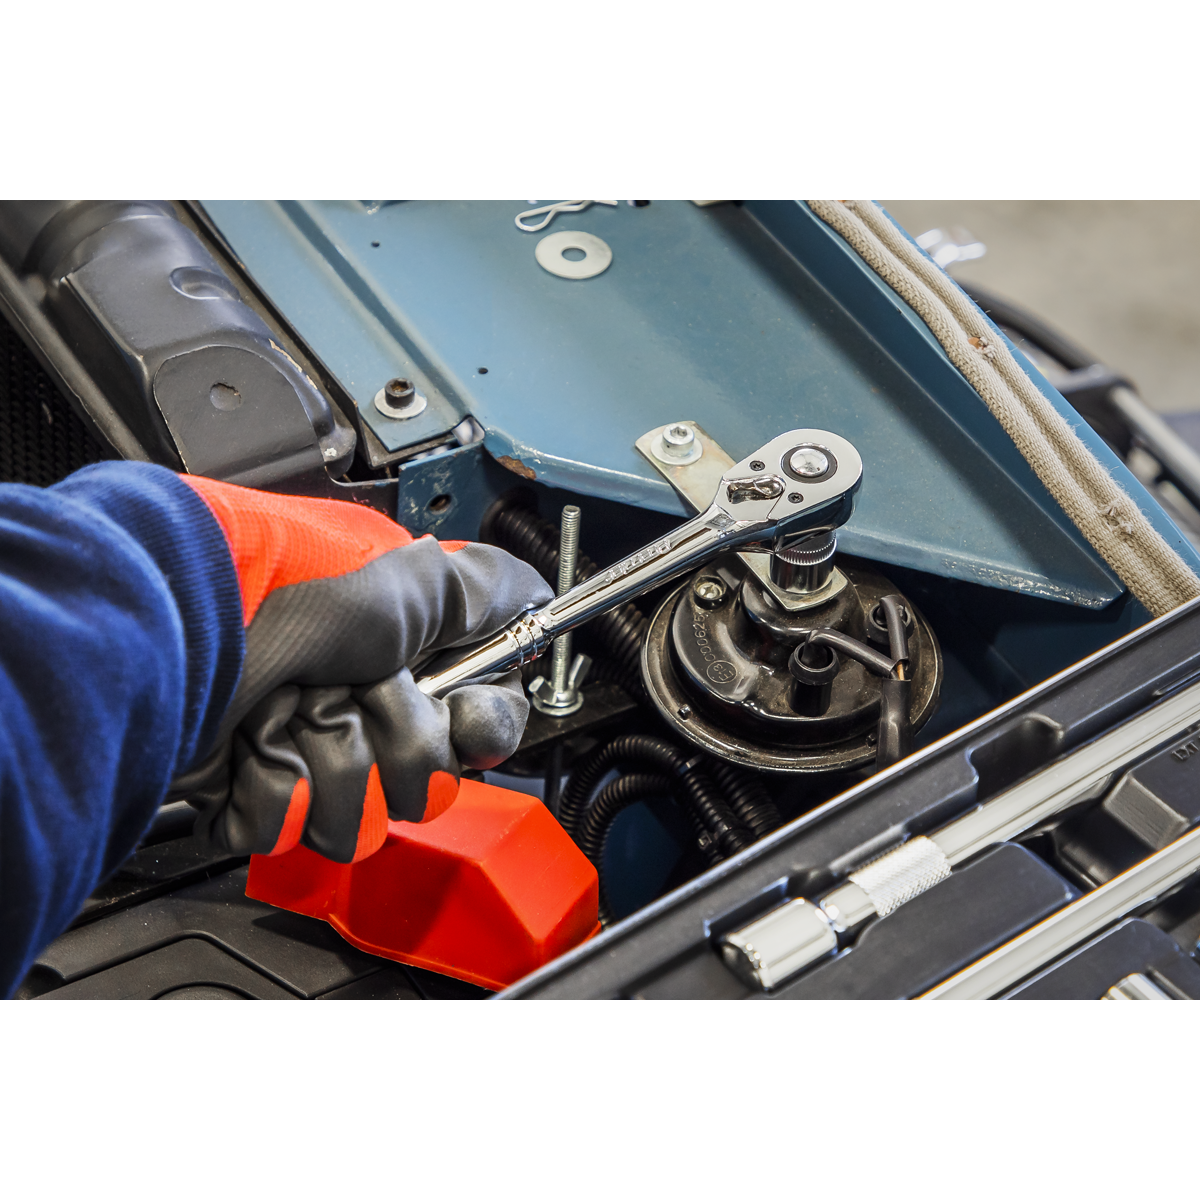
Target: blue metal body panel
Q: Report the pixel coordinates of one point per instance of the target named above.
(748, 319)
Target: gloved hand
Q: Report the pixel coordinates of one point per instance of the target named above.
(327, 735)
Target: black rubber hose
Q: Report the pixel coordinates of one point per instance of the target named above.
(747, 797)
(895, 728)
(612, 799)
(721, 832)
(620, 631)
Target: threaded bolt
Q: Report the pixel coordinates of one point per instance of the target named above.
(568, 556)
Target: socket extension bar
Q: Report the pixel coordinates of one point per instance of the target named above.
(776, 947)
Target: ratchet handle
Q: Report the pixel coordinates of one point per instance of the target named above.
(530, 635)
(524, 639)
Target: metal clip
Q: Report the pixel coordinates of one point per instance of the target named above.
(552, 210)
(756, 487)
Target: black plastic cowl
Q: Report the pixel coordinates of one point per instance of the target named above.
(185, 366)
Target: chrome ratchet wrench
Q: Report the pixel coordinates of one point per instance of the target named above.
(770, 500)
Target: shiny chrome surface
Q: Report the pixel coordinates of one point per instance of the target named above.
(848, 908)
(899, 876)
(806, 566)
(891, 880)
(560, 695)
(804, 581)
(1129, 892)
(772, 949)
(1079, 776)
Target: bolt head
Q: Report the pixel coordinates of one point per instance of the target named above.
(795, 498)
(808, 462)
(685, 711)
(758, 465)
(678, 441)
(399, 393)
(709, 592)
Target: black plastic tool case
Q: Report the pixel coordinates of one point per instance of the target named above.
(667, 950)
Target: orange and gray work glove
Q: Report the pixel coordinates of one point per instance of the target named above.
(327, 736)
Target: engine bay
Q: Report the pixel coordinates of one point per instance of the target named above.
(916, 635)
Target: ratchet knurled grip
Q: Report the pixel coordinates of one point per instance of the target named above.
(761, 503)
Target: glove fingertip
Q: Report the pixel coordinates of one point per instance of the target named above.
(293, 821)
(372, 829)
(441, 793)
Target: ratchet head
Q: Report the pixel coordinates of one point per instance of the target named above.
(800, 483)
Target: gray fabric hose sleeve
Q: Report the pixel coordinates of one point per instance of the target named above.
(1101, 510)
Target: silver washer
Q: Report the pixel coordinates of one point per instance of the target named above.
(597, 257)
(418, 406)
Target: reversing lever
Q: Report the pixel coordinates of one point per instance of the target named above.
(758, 500)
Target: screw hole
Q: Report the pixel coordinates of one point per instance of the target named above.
(224, 396)
(574, 253)
(483, 370)
(375, 244)
(439, 504)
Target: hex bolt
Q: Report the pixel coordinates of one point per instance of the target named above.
(678, 439)
(563, 696)
(677, 445)
(399, 399)
(400, 393)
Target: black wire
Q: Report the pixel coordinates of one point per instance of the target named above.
(720, 832)
(747, 796)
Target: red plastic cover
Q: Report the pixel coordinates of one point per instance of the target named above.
(487, 892)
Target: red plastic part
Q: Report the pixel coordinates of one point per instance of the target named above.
(487, 892)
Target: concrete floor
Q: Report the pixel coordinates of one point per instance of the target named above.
(1122, 278)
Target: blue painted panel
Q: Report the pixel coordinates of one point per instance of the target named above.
(747, 320)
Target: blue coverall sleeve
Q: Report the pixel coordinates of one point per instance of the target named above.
(121, 644)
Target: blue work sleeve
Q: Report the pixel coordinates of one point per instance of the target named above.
(121, 644)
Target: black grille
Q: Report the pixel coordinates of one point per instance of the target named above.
(41, 438)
